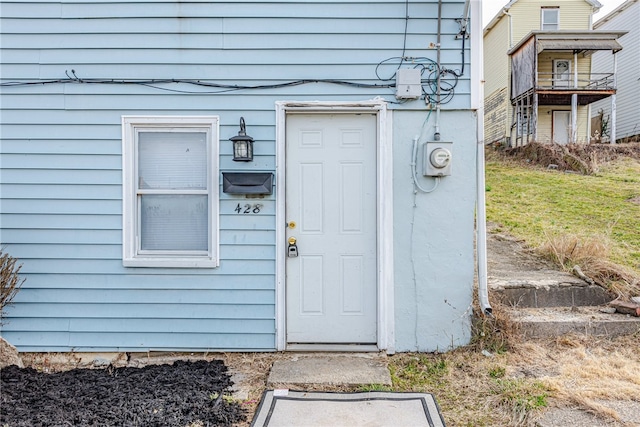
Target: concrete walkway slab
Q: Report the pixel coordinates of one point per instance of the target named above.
(330, 370)
(627, 411)
(373, 409)
(574, 417)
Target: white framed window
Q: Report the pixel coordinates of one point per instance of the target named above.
(550, 19)
(170, 191)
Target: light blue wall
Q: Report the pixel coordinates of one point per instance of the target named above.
(434, 235)
(61, 178)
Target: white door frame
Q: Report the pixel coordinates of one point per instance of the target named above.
(385, 306)
(566, 129)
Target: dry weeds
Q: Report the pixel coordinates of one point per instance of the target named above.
(596, 242)
(586, 370)
(591, 255)
(508, 384)
(582, 158)
(10, 281)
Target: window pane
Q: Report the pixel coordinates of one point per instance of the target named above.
(174, 222)
(172, 160)
(550, 19)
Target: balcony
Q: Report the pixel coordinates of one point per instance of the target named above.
(554, 90)
(558, 88)
(592, 81)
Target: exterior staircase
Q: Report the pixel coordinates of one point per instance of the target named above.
(544, 310)
(546, 302)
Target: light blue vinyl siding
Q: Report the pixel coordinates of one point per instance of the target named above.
(61, 155)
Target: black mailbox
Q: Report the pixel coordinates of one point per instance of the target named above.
(247, 182)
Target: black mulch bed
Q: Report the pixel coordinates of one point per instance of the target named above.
(181, 394)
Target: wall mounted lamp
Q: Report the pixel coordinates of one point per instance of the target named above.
(242, 145)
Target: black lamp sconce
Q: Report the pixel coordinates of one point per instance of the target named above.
(242, 145)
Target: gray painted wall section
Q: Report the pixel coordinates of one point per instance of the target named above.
(434, 237)
(628, 84)
(61, 160)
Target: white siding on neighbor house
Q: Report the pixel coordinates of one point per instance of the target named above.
(628, 65)
(61, 155)
(526, 15)
(545, 120)
(496, 76)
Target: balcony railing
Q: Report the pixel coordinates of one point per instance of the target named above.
(592, 81)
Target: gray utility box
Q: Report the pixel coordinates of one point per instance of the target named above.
(437, 158)
(408, 83)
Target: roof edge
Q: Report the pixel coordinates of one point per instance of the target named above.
(564, 34)
(505, 10)
(615, 12)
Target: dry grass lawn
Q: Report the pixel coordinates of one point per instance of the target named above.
(507, 388)
(511, 383)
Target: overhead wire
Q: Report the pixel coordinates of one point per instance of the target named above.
(72, 77)
(438, 83)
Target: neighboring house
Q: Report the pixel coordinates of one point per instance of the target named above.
(138, 231)
(625, 17)
(537, 67)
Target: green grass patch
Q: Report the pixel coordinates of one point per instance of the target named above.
(536, 204)
(467, 385)
(521, 396)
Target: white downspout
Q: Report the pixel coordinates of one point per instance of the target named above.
(481, 222)
(504, 11)
(436, 136)
(481, 213)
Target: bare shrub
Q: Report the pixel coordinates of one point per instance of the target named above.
(582, 158)
(591, 255)
(496, 333)
(10, 281)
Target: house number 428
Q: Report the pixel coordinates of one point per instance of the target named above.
(248, 209)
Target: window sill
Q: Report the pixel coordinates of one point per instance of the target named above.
(173, 262)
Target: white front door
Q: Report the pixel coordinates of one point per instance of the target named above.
(561, 125)
(331, 285)
(562, 73)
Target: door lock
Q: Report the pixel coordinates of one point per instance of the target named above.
(292, 250)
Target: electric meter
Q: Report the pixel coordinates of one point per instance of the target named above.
(440, 158)
(437, 158)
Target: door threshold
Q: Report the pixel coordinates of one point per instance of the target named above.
(356, 348)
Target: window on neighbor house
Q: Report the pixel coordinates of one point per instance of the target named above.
(170, 191)
(550, 19)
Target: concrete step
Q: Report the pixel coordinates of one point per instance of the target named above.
(551, 322)
(551, 293)
(304, 369)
